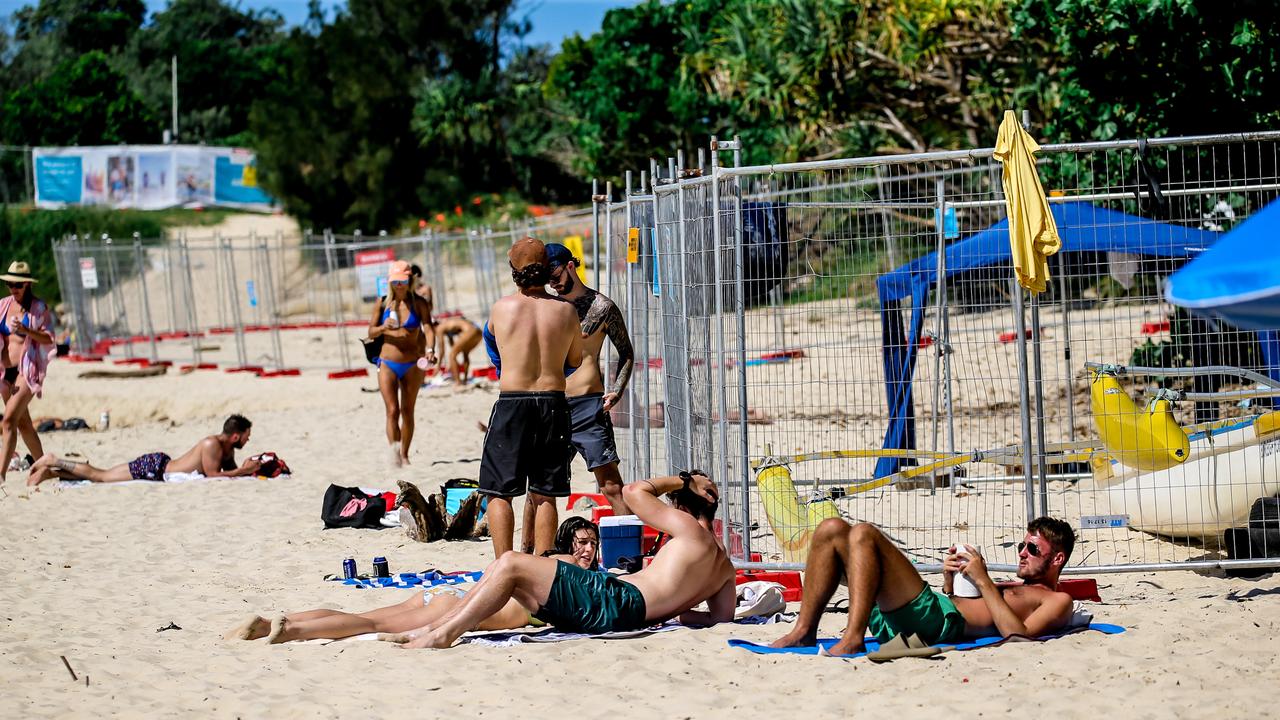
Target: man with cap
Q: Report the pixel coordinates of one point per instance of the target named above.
(533, 339)
(26, 344)
(589, 403)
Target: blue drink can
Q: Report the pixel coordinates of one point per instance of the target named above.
(349, 568)
(380, 567)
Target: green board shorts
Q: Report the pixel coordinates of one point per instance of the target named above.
(931, 615)
(587, 601)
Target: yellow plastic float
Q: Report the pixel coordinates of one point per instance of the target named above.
(1144, 439)
(793, 522)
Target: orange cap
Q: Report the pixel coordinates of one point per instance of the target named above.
(399, 271)
(527, 251)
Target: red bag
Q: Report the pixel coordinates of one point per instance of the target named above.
(272, 465)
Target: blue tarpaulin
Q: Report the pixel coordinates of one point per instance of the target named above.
(1238, 279)
(1083, 228)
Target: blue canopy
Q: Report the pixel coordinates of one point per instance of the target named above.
(1238, 279)
(1083, 228)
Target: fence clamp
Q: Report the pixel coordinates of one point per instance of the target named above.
(599, 198)
(717, 145)
(690, 173)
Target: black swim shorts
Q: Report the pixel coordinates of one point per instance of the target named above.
(527, 446)
(592, 430)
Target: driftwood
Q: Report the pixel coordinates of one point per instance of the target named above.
(425, 520)
(135, 373)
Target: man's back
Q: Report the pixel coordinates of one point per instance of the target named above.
(686, 571)
(537, 335)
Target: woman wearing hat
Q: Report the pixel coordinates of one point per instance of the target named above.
(402, 320)
(26, 340)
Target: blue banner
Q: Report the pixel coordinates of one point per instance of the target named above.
(58, 179)
(237, 182)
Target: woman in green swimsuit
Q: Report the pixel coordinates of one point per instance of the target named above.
(577, 542)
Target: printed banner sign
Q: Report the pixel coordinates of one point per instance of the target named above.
(148, 177)
(633, 245)
(372, 269)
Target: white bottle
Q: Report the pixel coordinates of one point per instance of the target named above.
(393, 320)
(961, 585)
(104, 420)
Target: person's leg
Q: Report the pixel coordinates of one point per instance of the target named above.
(823, 571)
(524, 578)
(878, 573)
(256, 626)
(389, 387)
(409, 387)
(50, 465)
(609, 480)
(30, 438)
(546, 520)
(529, 522)
(14, 408)
(502, 524)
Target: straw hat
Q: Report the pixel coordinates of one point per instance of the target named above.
(19, 272)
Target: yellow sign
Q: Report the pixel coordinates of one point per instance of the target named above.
(633, 245)
(574, 243)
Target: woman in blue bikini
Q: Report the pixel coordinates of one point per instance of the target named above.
(401, 320)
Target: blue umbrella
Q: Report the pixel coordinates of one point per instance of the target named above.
(1238, 279)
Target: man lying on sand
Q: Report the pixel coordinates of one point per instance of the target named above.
(213, 457)
(887, 596)
(690, 568)
(577, 542)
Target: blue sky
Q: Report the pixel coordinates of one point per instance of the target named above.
(553, 20)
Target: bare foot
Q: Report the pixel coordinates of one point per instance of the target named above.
(279, 631)
(398, 638)
(396, 458)
(429, 639)
(846, 647)
(42, 469)
(795, 638)
(252, 628)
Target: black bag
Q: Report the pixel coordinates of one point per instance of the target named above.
(1260, 540)
(351, 507)
(373, 346)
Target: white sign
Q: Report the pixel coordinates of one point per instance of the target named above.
(88, 273)
(372, 268)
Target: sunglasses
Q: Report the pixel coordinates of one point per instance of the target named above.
(1032, 549)
(13, 285)
(399, 283)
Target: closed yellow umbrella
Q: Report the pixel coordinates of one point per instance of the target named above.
(1033, 235)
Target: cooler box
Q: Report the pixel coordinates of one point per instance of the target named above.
(453, 498)
(620, 536)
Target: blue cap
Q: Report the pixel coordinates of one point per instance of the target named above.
(558, 255)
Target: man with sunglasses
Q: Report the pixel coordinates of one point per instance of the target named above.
(589, 402)
(887, 596)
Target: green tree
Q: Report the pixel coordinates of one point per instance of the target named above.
(84, 101)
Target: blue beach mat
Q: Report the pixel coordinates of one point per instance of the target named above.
(403, 581)
(874, 645)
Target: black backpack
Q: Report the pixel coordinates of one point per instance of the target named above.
(1260, 540)
(351, 507)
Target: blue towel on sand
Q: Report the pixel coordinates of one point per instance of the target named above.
(873, 644)
(425, 579)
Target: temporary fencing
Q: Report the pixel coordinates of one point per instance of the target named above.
(846, 339)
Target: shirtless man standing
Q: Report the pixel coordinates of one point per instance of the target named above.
(214, 456)
(690, 568)
(887, 596)
(457, 337)
(532, 338)
(589, 404)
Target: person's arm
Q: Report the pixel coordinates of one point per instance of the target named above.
(211, 462)
(426, 347)
(642, 498)
(41, 334)
(376, 328)
(951, 564)
(1051, 615)
(720, 607)
(604, 312)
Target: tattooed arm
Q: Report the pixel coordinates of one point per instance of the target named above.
(604, 312)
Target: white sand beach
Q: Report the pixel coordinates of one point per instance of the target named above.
(95, 574)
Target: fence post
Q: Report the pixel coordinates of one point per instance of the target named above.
(168, 284)
(193, 323)
(942, 348)
(234, 297)
(722, 396)
(595, 230)
(677, 167)
(140, 260)
(631, 328)
(1024, 400)
(273, 313)
(608, 268)
(335, 297)
(117, 295)
(741, 312)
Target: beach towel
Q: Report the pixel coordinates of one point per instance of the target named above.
(873, 644)
(510, 638)
(404, 581)
(173, 477)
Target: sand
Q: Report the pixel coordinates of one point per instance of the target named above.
(135, 585)
(95, 574)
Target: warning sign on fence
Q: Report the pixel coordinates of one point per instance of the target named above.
(89, 273)
(372, 268)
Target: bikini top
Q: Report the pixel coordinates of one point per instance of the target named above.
(410, 323)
